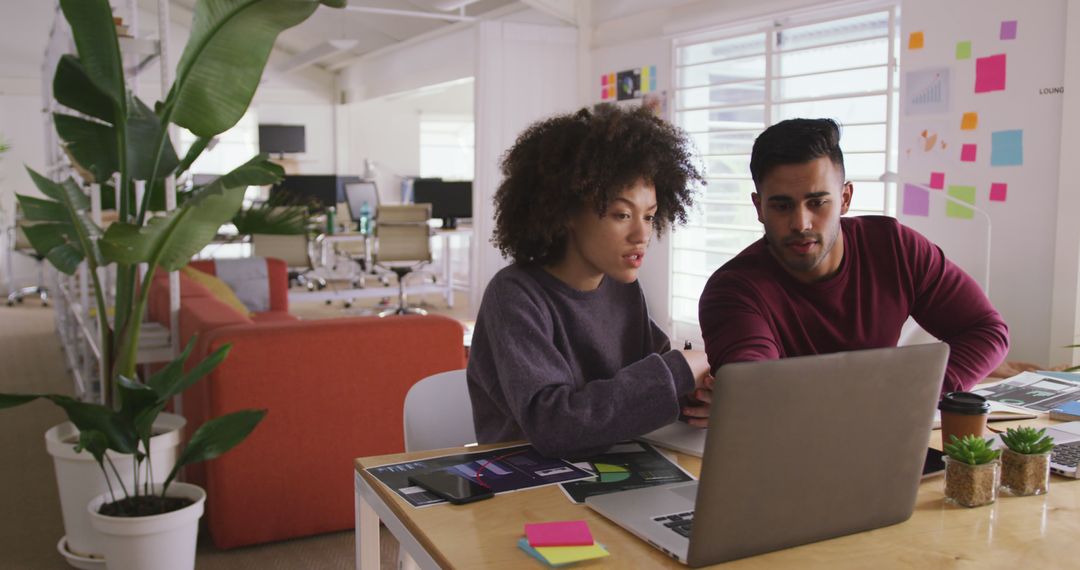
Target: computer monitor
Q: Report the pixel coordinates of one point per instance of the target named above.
(281, 139)
(360, 193)
(317, 190)
(449, 200)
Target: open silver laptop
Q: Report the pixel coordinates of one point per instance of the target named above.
(798, 450)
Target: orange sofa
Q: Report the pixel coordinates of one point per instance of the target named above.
(334, 389)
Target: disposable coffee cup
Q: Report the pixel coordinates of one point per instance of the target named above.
(963, 413)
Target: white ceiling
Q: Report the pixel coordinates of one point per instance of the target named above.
(25, 25)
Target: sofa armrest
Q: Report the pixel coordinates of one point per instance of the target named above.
(334, 390)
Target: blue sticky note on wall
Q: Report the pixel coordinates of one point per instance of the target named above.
(1007, 148)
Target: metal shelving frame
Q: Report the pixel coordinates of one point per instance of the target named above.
(76, 318)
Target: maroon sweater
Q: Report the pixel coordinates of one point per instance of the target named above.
(752, 309)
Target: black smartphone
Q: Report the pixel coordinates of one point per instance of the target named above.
(458, 490)
(934, 464)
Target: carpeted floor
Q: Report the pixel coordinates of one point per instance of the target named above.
(31, 360)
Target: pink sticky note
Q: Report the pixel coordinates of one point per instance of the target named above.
(990, 73)
(967, 153)
(916, 201)
(603, 79)
(1008, 30)
(937, 180)
(560, 533)
(997, 191)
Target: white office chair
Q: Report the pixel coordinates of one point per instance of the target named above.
(438, 413)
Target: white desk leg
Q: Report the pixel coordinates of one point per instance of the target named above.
(367, 535)
(448, 270)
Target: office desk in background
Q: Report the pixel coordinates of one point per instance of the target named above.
(1016, 532)
(447, 262)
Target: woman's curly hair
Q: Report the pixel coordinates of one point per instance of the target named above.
(586, 159)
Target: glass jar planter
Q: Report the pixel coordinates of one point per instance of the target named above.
(1023, 474)
(971, 485)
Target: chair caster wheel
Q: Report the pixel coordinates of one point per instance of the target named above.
(329, 302)
(348, 305)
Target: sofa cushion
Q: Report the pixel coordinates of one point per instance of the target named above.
(218, 288)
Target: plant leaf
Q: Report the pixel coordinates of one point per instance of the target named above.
(86, 417)
(68, 235)
(170, 241)
(193, 153)
(94, 442)
(217, 436)
(225, 56)
(73, 88)
(139, 405)
(12, 400)
(91, 144)
(99, 51)
(201, 369)
(144, 129)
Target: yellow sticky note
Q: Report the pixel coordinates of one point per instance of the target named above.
(567, 554)
(969, 122)
(915, 40)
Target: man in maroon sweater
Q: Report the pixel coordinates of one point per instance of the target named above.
(818, 283)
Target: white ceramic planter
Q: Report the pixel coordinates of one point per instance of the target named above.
(162, 542)
(79, 478)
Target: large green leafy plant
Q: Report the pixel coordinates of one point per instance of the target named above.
(111, 134)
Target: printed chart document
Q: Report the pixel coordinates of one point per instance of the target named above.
(502, 470)
(1033, 391)
(628, 465)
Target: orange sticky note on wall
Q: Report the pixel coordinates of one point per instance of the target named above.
(969, 121)
(915, 40)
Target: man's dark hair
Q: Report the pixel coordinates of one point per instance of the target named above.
(586, 159)
(795, 141)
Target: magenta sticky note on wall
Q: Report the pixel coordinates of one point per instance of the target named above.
(916, 201)
(967, 152)
(937, 180)
(1008, 30)
(997, 191)
(561, 533)
(990, 73)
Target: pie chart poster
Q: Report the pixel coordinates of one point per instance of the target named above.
(630, 465)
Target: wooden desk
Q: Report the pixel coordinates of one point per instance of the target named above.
(1017, 532)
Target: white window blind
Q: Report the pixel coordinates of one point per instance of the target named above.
(730, 86)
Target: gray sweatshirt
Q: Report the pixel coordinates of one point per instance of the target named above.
(573, 372)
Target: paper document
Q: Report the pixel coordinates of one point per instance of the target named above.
(1032, 391)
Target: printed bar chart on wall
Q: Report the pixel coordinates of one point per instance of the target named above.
(979, 145)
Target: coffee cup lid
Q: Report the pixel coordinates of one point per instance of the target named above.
(964, 403)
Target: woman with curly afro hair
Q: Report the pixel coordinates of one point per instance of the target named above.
(564, 353)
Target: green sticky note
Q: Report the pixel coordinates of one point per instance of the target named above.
(963, 50)
(963, 194)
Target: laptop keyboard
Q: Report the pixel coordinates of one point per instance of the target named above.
(1066, 454)
(678, 522)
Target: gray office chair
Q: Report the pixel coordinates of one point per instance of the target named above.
(295, 251)
(403, 246)
(438, 413)
(22, 245)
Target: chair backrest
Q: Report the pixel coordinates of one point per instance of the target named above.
(409, 242)
(438, 413)
(292, 249)
(403, 214)
(359, 193)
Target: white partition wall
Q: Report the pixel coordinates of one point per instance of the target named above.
(981, 122)
(523, 72)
